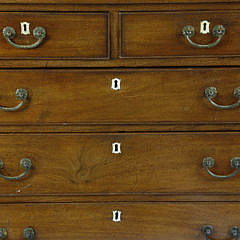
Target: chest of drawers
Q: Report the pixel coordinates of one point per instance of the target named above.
(119, 120)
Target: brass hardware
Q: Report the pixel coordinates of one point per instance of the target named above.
(3, 233)
(38, 32)
(21, 94)
(208, 162)
(208, 230)
(217, 31)
(29, 233)
(25, 163)
(211, 92)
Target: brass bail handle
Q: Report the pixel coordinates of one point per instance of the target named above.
(28, 233)
(211, 92)
(39, 33)
(208, 162)
(22, 95)
(208, 230)
(217, 31)
(25, 163)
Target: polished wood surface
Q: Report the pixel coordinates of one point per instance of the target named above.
(159, 34)
(148, 163)
(82, 35)
(168, 221)
(146, 96)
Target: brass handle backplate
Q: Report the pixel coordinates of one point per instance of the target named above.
(217, 31)
(39, 33)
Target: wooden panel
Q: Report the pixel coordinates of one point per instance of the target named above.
(148, 163)
(146, 96)
(69, 35)
(159, 34)
(94, 221)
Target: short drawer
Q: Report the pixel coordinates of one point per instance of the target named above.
(79, 35)
(183, 221)
(160, 34)
(121, 97)
(119, 163)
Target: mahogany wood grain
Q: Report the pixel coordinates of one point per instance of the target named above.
(146, 96)
(148, 163)
(150, 221)
(82, 35)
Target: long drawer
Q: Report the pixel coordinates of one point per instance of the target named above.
(131, 96)
(79, 35)
(183, 221)
(81, 164)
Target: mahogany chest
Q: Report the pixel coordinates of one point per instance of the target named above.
(119, 119)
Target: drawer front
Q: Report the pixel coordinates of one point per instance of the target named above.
(68, 35)
(182, 221)
(159, 34)
(161, 96)
(140, 163)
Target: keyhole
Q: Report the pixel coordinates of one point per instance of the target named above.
(116, 83)
(116, 148)
(204, 27)
(116, 216)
